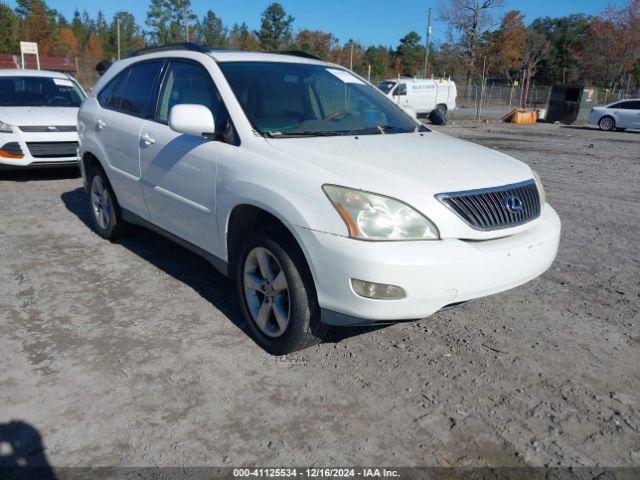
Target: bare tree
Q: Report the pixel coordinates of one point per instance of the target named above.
(471, 18)
(534, 50)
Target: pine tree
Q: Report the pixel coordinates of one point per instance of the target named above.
(166, 21)
(130, 35)
(275, 28)
(212, 32)
(9, 29)
(411, 53)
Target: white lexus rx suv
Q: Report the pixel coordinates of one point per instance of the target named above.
(38, 116)
(326, 202)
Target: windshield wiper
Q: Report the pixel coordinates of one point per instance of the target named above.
(380, 129)
(320, 133)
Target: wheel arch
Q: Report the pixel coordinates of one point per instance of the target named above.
(90, 159)
(245, 218)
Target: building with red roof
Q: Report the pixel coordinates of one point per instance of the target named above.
(55, 64)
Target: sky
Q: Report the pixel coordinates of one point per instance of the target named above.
(366, 21)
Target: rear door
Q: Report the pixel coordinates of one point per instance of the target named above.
(178, 170)
(126, 103)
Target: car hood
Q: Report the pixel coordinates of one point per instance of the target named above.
(39, 115)
(411, 167)
(404, 164)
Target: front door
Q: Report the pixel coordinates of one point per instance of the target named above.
(400, 94)
(179, 170)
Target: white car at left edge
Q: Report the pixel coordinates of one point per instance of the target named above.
(38, 119)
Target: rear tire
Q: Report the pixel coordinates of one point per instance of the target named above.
(607, 124)
(105, 210)
(442, 108)
(276, 293)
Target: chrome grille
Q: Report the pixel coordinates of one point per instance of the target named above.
(495, 208)
(52, 149)
(48, 128)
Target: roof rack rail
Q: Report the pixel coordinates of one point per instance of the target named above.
(191, 46)
(300, 53)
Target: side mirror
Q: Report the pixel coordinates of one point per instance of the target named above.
(191, 119)
(410, 111)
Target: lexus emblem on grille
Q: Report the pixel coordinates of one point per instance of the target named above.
(513, 204)
(52, 128)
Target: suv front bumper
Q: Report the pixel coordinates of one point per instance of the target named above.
(434, 274)
(48, 152)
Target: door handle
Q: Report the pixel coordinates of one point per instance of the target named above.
(148, 138)
(101, 124)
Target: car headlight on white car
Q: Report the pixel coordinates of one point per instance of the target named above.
(5, 128)
(369, 216)
(541, 192)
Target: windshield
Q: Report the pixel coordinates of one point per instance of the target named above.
(292, 99)
(39, 92)
(387, 86)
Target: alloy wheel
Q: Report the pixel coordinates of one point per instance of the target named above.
(101, 202)
(266, 292)
(607, 124)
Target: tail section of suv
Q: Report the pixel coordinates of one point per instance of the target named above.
(325, 201)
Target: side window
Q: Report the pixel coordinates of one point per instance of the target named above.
(401, 90)
(105, 94)
(187, 82)
(631, 105)
(116, 97)
(138, 92)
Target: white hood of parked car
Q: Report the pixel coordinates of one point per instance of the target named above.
(407, 165)
(39, 115)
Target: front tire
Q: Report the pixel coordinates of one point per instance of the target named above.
(607, 124)
(442, 108)
(105, 211)
(276, 293)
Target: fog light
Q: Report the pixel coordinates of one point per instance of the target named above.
(380, 291)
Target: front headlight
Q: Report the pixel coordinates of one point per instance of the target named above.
(541, 192)
(5, 128)
(375, 217)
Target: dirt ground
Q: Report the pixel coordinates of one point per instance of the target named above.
(133, 353)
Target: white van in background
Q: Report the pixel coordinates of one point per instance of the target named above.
(423, 95)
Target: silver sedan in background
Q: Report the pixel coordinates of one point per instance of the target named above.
(617, 116)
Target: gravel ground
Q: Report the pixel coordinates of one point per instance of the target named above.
(133, 353)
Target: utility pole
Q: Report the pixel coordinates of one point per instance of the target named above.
(351, 61)
(186, 23)
(118, 29)
(426, 54)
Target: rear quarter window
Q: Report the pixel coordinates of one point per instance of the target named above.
(105, 93)
(139, 90)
